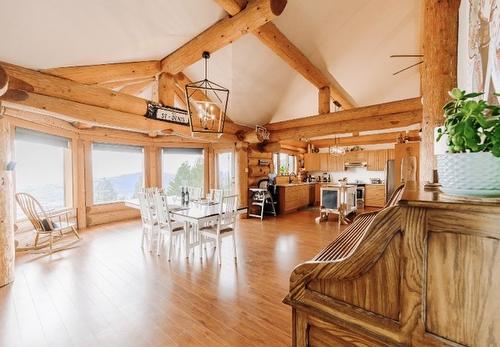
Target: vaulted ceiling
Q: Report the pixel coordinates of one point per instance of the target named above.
(349, 40)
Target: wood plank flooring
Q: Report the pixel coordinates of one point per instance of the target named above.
(107, 291)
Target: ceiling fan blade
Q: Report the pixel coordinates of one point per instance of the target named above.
(406, 68)
(406, 56)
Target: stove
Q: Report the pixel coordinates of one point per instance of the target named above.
(360, 194)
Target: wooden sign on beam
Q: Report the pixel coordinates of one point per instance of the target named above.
(167, 114)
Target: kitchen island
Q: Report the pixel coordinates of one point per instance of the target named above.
(293, 196)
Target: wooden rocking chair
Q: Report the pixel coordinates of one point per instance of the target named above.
(45, 222)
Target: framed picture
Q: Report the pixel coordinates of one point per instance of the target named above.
(479, 47)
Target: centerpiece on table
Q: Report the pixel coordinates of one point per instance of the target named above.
(471, 166)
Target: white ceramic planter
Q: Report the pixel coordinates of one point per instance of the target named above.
(469, 174)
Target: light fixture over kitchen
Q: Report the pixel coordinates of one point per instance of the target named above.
(336, 148)
(206, 104)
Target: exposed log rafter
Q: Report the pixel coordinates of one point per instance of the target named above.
(272, 37)
(222, 33)
(373, 139)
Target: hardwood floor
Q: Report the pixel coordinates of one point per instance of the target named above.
(108, 292)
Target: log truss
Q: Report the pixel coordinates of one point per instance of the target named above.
(107, 95)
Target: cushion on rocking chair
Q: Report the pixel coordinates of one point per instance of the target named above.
(46, 225)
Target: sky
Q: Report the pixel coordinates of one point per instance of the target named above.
(38, 164)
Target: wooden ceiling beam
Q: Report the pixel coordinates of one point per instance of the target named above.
(69, 90)
(136, 88)
(166, 89)
(104, 73)
(124, 83)
(273, 38)
(372, 139)
(400, 106)
(222, 33)
(379, 122)
(71, 111)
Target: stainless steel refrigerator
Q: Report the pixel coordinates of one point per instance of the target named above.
(389, 178)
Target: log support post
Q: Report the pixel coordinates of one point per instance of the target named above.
(439, 72)
(166, 89)
(241, 150)
(324, 100)
(7, 247)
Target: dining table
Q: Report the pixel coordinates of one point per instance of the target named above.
(195, 214)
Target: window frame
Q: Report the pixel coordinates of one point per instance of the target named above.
(277, 159)
(89, 168)
(206, 161)
(68, 164)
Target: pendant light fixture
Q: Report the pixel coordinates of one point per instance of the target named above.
(206, 104)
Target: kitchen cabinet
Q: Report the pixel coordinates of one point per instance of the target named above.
(376, 160)
(294, 196)
(323, 161)
(357, 156)
(311, 162)
(335, 163)
(390, 154)
(375, 195)
(317, 194)
(312, 194)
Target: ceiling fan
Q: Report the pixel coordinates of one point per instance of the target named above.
(407, 56)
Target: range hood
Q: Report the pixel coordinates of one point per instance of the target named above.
(350, 164)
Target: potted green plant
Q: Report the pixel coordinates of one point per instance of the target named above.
(471, 166)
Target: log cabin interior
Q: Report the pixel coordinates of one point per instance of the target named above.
(135, 136)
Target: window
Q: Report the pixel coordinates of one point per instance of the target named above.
(117, 171)
(284, 164)
(182, 167)
(43, 168)
(225, 172)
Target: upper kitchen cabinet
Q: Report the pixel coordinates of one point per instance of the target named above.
(376, 160)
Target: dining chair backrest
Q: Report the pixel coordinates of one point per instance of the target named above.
(216, 195)
(146, 208)
(194, 193)
(161, 209)
(228, 210)
(34, 211)
(396, 196)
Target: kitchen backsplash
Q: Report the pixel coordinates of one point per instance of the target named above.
(353, 174)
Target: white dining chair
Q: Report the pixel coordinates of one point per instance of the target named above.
(194, 193)
(166, 225)
(225, 226)
(148, 218)
(216, 195)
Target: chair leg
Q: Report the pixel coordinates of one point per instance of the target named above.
(187, 239)
(36, 239)
(219, 255)
(50, 243)
(75, 232)
(234, 245)
(159, 241)
(202, 244)
(170, 246)
(143, 237)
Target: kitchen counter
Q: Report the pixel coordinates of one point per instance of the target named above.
(295, 184)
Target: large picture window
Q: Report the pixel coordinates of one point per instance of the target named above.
(182, 166)
(43, 168)
(284, 163)
(118, 172)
